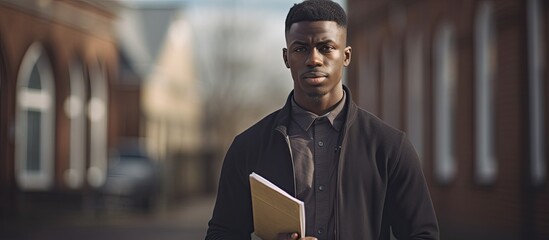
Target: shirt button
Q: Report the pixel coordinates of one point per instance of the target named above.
(320, 231)
(320, 143)
(321, 188)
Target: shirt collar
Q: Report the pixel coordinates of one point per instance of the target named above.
(305, 119)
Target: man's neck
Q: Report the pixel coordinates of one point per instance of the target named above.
(322, 104)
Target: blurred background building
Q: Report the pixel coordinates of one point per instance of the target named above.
(467, 80)
(109, 103)
(102, 101)
(59, 71)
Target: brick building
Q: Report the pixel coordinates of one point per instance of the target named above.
(468, 81)
(58, 71)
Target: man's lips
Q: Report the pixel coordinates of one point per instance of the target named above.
(314, 77)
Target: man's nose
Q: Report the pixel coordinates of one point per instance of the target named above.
(314, 58)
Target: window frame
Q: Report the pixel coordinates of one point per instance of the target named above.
(536, 51)
(74, 109)
(97, 110)
(486, 165)
(42, 100)
(444, 95)
(415, 72)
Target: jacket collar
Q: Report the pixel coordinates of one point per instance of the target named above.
(282, 119)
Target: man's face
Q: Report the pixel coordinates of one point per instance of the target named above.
(316, 54)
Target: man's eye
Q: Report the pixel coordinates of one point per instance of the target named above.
(300, 49)
(326, 48)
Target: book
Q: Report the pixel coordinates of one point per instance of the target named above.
(274, 210)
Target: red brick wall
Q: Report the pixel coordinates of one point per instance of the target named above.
(19, 28)
(509, 208)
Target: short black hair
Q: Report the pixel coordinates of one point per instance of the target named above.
(316, 10)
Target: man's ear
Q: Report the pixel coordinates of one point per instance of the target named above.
(285, 57)
(347, 59)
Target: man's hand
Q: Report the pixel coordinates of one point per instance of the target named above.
(293, 236)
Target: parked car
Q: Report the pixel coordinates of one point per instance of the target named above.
(132, 182)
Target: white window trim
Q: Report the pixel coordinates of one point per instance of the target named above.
(34, 99)
(485, 46)
(38, 100)
(444, 82)
(97, 114)
(74, 109)
(536, 90)
(414, 104)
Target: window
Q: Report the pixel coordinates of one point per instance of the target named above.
(369, 81)
(414, 102)
(391, 92)
(97, 113)
(444, 86)
(74, 108)
(485, 57)
(536, 98)
(34, 121)
(2, 96)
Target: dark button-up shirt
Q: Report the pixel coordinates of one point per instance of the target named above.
(314, 144)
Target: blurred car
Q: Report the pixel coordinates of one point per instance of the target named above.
(132, 180)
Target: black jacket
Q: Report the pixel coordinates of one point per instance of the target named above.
(380, 181)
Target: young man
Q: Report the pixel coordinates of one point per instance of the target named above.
(359, 178)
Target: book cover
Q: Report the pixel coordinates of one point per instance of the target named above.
(274, 210)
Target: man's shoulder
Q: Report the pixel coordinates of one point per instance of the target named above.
(373, 125)
(266, 124)
(374, 131)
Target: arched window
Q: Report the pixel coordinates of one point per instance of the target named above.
(74, 108)
(97, 113)
(444, 86)
(485, 57)
(35, 121)
(536, 96)
(414, 103)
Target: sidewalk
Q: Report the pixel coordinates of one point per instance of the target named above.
(188, 221)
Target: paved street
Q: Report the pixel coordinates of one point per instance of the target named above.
(188, 221)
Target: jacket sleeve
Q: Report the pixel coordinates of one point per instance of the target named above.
(412, 214)
(232, 215)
